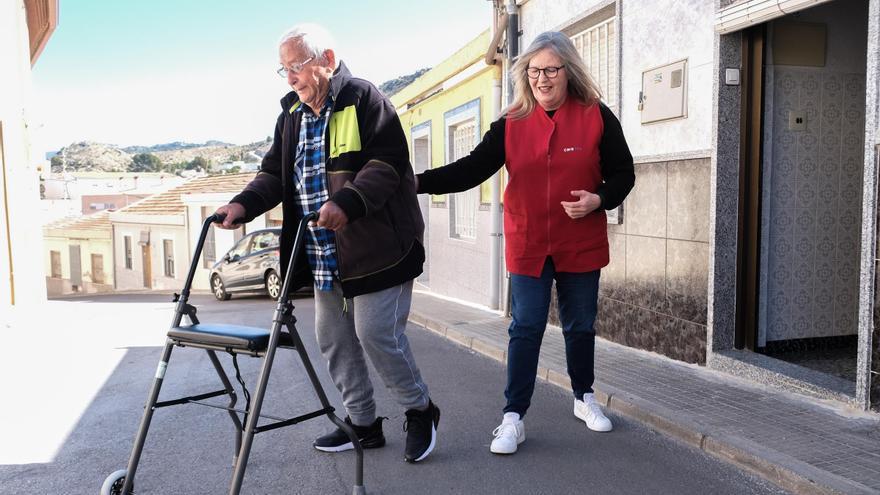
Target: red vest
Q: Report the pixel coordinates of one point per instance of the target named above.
(547, 158)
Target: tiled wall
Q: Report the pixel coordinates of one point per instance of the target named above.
(653, 294)
(814, 199)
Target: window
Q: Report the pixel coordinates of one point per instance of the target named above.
(209, 250)
(598, 48)
(97, 269)
(168, 248)
(127, 240)
(265, 240)
(55, 256)
(241, 249)
(462, 126)
(463, 206)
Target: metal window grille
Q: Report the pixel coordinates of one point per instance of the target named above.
(598, 48)
(464, 205)
(168, 247)
(127, 252)
(209, 250)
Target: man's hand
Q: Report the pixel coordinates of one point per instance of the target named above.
(587, 202)
(233, 212)
(331, 216)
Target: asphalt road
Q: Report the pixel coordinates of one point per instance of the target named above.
(189, 449)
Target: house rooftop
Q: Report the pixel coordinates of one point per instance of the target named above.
(170, 202)
(98, 222)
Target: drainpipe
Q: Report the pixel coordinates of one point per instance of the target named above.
(512, 54)
(495, 226)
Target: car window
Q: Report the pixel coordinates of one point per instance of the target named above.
(265, 240)
(242, 248)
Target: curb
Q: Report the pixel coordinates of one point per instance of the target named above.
(788, 473)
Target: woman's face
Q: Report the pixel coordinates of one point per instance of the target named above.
(550, 92)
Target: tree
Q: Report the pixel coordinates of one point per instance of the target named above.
(57, 163)
(198, 163)
(145, 162)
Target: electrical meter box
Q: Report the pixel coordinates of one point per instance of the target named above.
(664, 93)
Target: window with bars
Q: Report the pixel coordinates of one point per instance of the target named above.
(127, 240)
(168, 256)
(598, 48)
(209, 250)
(463, 206)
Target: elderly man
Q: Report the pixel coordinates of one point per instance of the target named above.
(340, 150)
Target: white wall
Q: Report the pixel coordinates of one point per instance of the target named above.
(21, 189)
(132, 279)
(656, 33)
(458, 268)
(652, 33)
(538, 16)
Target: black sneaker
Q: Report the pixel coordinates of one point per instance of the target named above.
(371, 437)
(421, 432)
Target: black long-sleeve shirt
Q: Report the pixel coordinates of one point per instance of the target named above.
(614, 157)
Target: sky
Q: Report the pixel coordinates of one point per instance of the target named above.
(144, 73)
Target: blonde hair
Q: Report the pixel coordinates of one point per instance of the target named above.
(580, 83)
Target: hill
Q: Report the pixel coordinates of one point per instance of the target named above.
(99, 157)
(389, 88)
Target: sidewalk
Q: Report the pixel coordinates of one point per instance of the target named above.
(794, 442)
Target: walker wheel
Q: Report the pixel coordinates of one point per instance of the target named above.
(113, 484)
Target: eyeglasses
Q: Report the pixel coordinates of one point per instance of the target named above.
(550, 72)
(296, 68)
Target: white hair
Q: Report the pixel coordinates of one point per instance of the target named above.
(313, 38)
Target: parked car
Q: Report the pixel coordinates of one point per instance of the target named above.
(252, 265)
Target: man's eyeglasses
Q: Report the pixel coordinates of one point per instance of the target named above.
(295, 68)
(550, 72)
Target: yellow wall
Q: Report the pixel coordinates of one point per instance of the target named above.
(88, 247)
(478, 86)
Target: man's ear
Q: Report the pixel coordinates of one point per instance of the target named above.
(330, 56)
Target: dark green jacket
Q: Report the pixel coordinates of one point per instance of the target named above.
(368, 175)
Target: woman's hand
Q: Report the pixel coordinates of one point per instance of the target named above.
(587, 203)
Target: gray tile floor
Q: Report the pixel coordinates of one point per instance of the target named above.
(787, 426)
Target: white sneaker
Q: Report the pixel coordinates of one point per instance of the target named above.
(589, 411)
(508, 435)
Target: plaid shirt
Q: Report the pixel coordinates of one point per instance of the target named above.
(311, 188)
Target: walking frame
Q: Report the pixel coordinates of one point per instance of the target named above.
(234, 339)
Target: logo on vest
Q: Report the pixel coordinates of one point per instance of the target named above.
(572, 149)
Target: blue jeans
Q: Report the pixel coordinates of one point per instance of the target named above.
(578, 297)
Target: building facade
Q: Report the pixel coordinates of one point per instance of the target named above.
(25, 28)
(445, 113)
(749, 241)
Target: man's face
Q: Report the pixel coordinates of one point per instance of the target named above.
(312, 83)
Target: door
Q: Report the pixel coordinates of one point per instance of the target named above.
(749, 232)
(75, 267)
(422, 162)
(146, 262)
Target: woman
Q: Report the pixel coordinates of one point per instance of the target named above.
(567, 161)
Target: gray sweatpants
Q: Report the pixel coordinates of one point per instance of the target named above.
(373, 324)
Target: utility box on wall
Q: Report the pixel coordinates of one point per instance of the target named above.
(664, 93)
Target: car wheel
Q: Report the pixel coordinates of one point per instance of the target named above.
(273, 284)
(219, 289)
